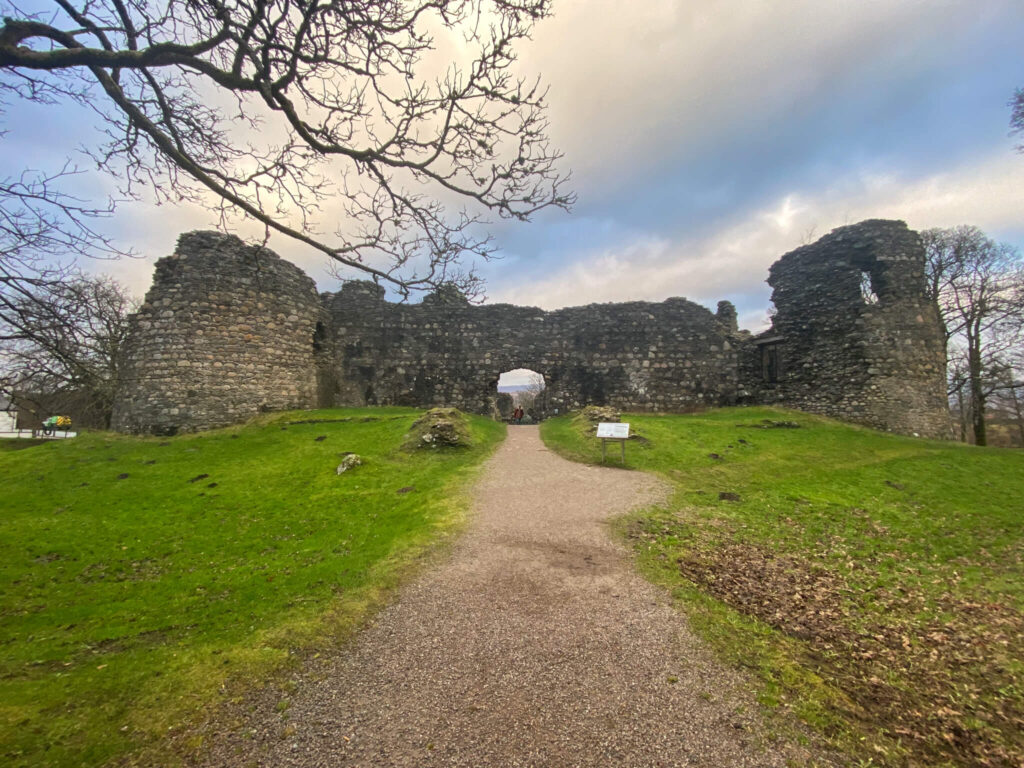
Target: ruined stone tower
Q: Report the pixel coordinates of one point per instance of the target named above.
(229, 330)
(854, 335)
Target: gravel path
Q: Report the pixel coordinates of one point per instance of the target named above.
(534, 644)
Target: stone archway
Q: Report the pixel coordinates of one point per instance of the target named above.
(523, 388)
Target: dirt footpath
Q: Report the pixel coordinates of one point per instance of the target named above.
(534, 644)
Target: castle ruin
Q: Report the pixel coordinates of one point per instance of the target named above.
(229, 330)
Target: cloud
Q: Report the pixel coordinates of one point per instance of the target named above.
(634, 89)
(709, 138)
(732, 262)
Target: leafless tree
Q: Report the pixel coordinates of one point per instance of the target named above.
(38, 225)
(979, 286)
(375, 112)
(1007, 394)
(62, 342)
(532, 387)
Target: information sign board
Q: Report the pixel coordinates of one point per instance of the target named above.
(613, 431)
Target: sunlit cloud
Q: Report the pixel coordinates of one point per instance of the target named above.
(732, 263)
(707, 139)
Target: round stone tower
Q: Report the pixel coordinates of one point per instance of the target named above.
(226, 331)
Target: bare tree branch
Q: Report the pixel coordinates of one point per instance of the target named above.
(1017, 116)
(283, 110)
(65, 337)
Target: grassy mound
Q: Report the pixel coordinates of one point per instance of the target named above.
(439, 428)
(872, 582)
(593, 415)
(141, 579)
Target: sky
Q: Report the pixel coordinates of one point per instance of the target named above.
(708, 137)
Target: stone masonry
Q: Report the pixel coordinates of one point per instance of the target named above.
(228, 330)
(670, 356)
(854, 336)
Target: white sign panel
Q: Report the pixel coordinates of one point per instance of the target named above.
(613, 431)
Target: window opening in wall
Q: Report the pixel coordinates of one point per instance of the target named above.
(319, 337)
(770, 369)
(867, 288)
(520, 396)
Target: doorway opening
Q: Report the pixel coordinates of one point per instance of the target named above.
(521, 396)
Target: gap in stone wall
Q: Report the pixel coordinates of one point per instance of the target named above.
(524, 388)
(867, 287)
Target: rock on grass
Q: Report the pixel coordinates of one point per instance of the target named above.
(351, 460)
(596, 414)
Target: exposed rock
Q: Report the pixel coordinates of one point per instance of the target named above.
(351, 460)
(596, 414)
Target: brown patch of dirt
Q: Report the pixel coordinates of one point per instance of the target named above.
(941, 676)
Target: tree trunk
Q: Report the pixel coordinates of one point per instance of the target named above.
(961, 411)
(974, 368)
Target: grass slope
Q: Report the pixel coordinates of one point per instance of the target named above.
(872, 582)
(140, 576)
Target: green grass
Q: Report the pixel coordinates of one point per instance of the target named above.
(18, 443)
(144, 579)
(872, 583)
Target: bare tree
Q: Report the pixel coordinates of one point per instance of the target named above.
(532, 387)
(62, 342)
(956, 391)
(1007, 390)
(277, 110)
(979, 286)
(38, 224)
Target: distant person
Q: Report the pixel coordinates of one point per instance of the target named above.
(517, 415)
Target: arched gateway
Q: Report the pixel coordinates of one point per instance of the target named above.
(230, 329)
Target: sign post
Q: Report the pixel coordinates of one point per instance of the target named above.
(618, 432)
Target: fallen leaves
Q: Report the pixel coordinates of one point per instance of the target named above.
(941, 674)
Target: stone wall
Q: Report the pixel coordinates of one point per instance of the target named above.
(226, 331)
(670, 356)
(854, 335)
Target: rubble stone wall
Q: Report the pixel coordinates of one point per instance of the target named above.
(670, 356)
(228, 330)
(854, 335)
